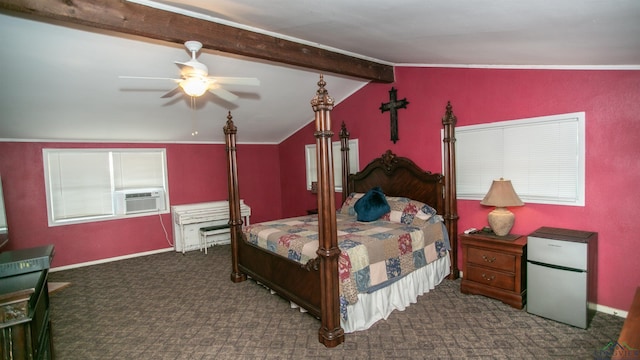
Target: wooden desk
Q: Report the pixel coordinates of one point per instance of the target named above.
(25, 327)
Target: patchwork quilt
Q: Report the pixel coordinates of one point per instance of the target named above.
(373, 254)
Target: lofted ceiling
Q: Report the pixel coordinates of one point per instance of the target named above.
(60, 78)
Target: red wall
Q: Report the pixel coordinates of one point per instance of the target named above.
(296, 199)
(610, 99)
(197, 173)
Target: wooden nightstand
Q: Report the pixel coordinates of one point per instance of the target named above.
(495, 268)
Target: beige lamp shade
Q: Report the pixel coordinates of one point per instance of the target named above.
(501, 194)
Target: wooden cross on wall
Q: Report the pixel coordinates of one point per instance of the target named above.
(392, 106)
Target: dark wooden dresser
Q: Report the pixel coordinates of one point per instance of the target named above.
(494, 267)
(24, 317)
(25, 325)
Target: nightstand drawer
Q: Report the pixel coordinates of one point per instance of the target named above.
(491, 278)
(492, 259)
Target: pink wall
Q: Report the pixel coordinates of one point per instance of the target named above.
(610, 99)
(197, 173)
(296, 199)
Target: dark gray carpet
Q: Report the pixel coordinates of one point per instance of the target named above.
(174, 306)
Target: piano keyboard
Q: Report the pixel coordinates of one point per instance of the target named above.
(189, 218)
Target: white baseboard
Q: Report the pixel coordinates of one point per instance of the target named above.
(611, 311)
(102, 261)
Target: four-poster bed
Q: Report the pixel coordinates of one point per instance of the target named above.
(318, 273)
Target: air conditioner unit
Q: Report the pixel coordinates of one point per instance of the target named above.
(134, 201)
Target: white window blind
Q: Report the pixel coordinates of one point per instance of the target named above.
(312, 169)
(138, 169)
(81, 183)
(543, 157)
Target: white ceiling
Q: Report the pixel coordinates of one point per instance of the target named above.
(61, 83)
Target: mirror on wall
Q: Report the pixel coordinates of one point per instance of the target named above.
(4, 229)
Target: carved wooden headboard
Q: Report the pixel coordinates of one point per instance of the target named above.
(400, 176)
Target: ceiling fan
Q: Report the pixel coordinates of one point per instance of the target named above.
(195, 79)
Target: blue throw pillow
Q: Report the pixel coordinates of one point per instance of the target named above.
(372, 205)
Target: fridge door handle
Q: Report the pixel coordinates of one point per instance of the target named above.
(555, 266)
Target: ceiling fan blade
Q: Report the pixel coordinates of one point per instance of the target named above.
(236, 80)
(181, 65)
(148, 78)
(224, 94)
(172, 93)
(193, 65)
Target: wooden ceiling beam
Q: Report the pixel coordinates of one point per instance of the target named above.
(135, 19)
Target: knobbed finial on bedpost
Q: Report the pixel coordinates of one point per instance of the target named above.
(322, 100)
(235, 218)
(330, 333)
(450, 206)
(230, 127)
(449, 118)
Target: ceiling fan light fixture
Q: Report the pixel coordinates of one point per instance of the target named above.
(194, 86)
(195, 80)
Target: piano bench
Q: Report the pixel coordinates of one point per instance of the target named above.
(209, 231)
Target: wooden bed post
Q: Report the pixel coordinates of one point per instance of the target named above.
(331, 333)
(344, 148)
(235, 217)
(451, 205)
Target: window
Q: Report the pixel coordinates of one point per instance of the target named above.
(312, 170)
(84, 185)
(543, 157)
(3, 217)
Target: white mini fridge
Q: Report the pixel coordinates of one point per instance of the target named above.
(561, 275)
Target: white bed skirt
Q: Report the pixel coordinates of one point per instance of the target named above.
(378, 305)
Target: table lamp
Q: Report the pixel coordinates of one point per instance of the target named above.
(501, 195)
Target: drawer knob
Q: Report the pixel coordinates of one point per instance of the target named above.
(488, 278)
(488, 259)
